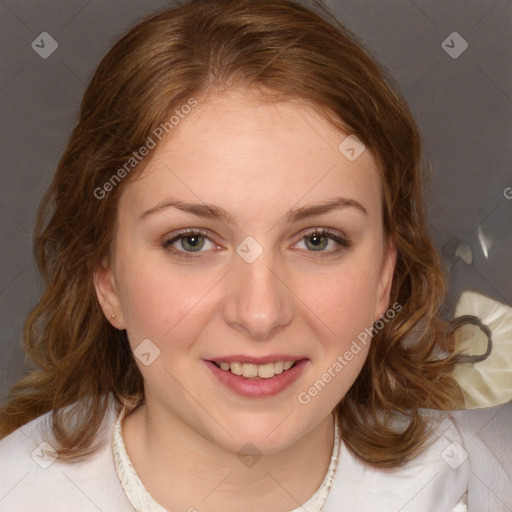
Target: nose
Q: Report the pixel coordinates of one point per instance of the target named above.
(258, 303)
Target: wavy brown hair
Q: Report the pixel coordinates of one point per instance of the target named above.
(288, 52)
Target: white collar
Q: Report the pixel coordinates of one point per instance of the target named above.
(142, 501)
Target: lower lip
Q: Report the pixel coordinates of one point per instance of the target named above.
(258, 388)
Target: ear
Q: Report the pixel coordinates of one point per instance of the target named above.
(108, 297)
(386, 279)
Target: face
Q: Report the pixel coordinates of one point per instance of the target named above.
(266, 271)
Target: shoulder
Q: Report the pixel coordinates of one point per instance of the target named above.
(469, 451)
(486, 435)
(434, 481)
(31, 478)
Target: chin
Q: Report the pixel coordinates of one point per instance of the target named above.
(264, 437)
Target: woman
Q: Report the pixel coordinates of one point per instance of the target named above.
(241, 303)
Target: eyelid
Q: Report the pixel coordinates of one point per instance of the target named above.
(343, 242)
(338, 237)
(170, 239)
(334, 233)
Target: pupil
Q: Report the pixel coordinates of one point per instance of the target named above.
(193, 241)
(317, 240)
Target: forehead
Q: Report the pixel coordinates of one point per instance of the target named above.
(253, 155)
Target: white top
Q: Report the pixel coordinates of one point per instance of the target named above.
(436, 481)
(142, 501)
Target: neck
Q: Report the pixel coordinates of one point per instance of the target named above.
(182, 470)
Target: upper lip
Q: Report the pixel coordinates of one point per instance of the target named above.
(256, 360)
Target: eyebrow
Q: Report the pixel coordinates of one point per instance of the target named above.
(210, 211)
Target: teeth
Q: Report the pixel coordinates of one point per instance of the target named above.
(266, 371)
(262, 371)
(250, 370)
(235, 368)
(278, 367)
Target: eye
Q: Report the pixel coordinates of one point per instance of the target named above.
(317, 239)
(190, 241)
(187, 242)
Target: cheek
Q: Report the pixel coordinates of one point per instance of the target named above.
(157, 300)
(344, 301)
(340, 308)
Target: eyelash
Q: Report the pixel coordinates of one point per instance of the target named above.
(343, 243)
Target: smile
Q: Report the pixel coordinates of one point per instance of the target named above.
(263, 371)
(257, 380)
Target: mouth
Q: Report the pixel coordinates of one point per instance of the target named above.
(252, 380)
(255, 371)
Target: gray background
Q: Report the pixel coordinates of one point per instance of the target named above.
(463, 107)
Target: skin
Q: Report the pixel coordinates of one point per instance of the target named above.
(257, 160)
